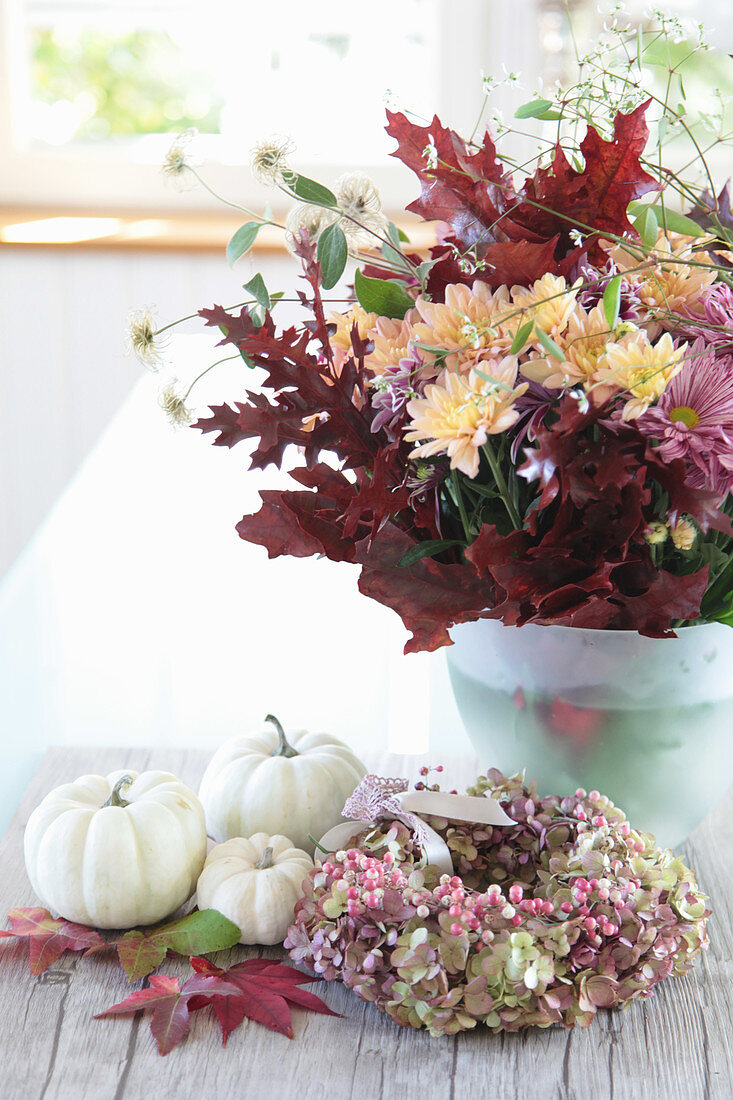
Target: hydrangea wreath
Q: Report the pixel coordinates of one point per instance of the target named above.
(569, 911)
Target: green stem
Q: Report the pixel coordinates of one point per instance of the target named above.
(458, 494)
(284, 748)
(265, 860)
(501, 485)
(115, 798)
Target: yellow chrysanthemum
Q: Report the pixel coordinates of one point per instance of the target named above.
(391, 341)
(470, 324)
(341, 337)
(669, 284)
(549, 302)
(459, 412)
(644, 369)
(583, 343)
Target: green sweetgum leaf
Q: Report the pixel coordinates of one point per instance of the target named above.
(141, 950)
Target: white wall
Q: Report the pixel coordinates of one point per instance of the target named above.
(63, 372)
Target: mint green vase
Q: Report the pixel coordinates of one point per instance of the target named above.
(646, 721)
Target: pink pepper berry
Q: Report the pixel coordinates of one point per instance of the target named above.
(566, 907)
(516, 920)
(594, 795)
(516, 893)
(455, 910)
(438, 767)
(599, 820)
(327, 867)
(594, 884)
(372, 901)
(603, 893)
(455, 929)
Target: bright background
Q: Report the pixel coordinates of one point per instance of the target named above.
(130, 612)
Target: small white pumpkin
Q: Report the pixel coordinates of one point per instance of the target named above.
(255, 882)
(116, 852)
(267, 782)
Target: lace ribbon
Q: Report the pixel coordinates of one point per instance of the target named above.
(377, 797)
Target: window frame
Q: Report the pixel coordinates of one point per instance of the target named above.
(114, 178)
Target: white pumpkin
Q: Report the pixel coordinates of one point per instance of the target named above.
(116, 852)
(255, 882)
(267, 782)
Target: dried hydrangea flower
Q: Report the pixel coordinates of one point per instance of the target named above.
(143, 339)
(173, 404)
(569, 911)
(270, 160)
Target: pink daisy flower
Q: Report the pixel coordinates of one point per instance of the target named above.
(693, 419)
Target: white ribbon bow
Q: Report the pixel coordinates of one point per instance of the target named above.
(377, 798)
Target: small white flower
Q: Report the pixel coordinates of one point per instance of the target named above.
(314, 219)
(430, 152)
(173, 405)
(358, 198)
(177, 164)
(270, 160)
(143, 340)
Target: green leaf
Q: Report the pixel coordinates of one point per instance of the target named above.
(242, 241)
(533, 109)
(201, 932)
(333, 252)
(256, 287)
(309, 190)
(426, 549)
(550, 116)
(382, 296)
(677, 222)
(549, 344)
(612, 301)
(521, 338)
(647, 227)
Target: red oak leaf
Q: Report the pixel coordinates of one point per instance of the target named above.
(428, 596)
(225, 421)
(48, 937)
(266, 986)
(171, 1005)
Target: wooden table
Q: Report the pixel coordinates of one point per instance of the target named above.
(675, 1046)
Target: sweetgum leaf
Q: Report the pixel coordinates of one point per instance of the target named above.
(265, 987)
(140, 951)
(49, 937)
(171, 1005)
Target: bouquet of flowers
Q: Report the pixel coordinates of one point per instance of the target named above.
(532, 422)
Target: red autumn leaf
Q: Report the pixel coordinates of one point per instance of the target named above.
(225, 421)
(48, 937)
(428, 595)
(475, 196)
(141, 950)
(265, 986)
(470, 190)
(171, 1005)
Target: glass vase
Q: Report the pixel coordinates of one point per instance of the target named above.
(646, 721)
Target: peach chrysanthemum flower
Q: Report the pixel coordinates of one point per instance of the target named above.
(583, 343)
(683, 534)
(470, 325)
(459, 412)
(391, 341)
(668, 285)
(344, 322)
(549, 302)
(634, 364)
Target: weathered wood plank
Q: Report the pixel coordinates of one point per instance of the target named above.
(676, 1046)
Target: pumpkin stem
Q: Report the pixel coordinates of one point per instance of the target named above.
(265, 860)
(284, 748)
(116, 799)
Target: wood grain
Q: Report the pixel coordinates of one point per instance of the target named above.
(676, 1046)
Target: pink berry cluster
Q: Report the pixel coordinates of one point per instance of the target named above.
(569, 910)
